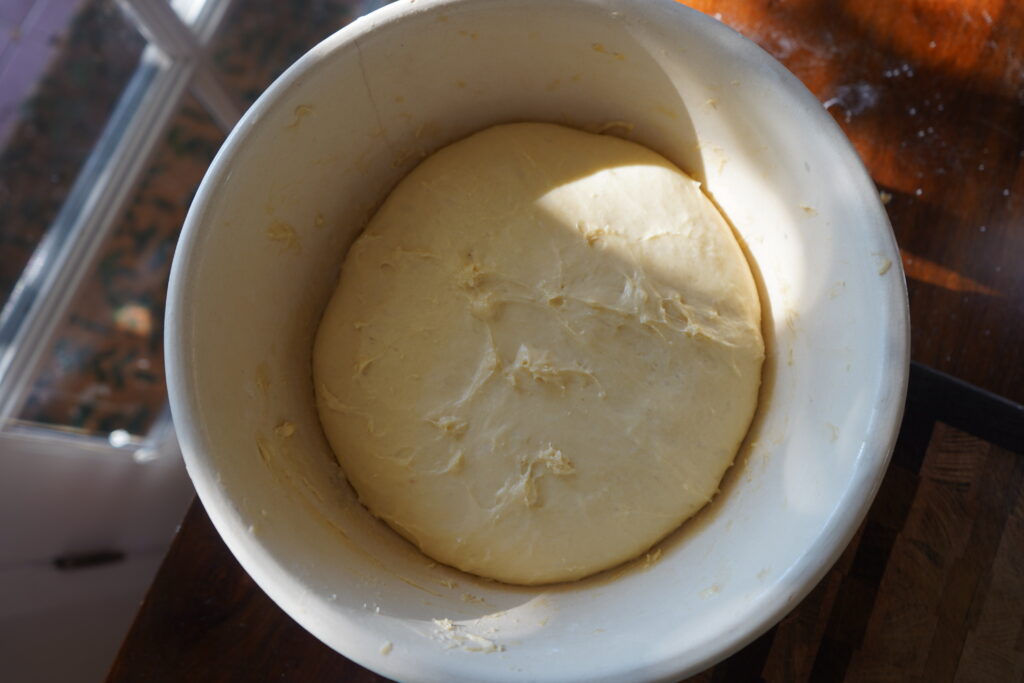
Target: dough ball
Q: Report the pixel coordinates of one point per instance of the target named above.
(542, 355)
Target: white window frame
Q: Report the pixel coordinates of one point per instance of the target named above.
(174, 61)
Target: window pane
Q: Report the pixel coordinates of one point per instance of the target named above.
(106, 369)
(63, 66)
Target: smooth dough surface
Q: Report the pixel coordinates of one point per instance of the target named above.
(542, 355)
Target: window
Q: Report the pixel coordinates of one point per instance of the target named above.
(110, 113)
(101, 161)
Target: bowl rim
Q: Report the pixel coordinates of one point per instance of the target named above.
(809, 568)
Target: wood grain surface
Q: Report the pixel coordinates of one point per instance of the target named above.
(930, 589)
(931, 93)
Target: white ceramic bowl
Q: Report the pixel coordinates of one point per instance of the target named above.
(322, 147)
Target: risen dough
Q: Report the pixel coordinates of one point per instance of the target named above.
(542, 354)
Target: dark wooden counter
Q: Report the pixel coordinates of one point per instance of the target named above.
(932, 94)
(930, 589)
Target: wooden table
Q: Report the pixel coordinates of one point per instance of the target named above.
(932, 588)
